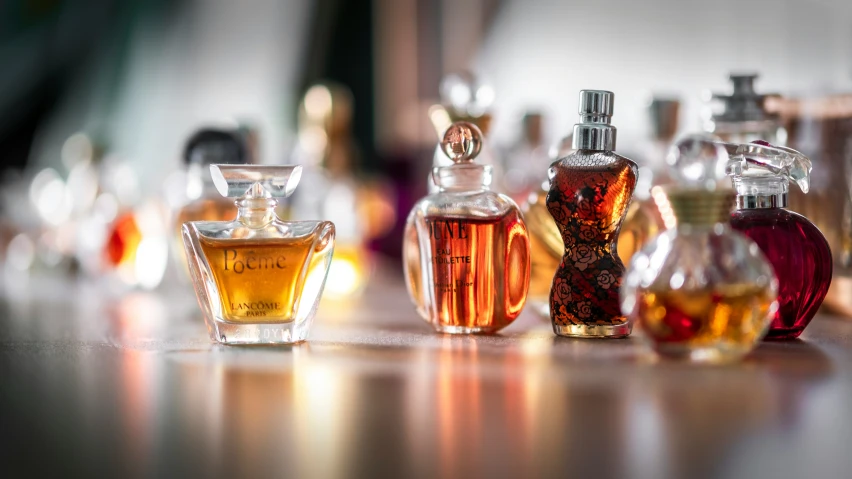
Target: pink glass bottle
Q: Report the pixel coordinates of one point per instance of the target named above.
(796, 248)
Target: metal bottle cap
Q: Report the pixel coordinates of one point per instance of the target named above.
(594, 131)
(210, 146)
(743, 104)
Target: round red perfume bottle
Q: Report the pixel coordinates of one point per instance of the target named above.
(796, 248)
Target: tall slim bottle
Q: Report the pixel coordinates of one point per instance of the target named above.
(590, 191)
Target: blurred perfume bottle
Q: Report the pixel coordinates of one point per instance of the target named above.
(643, 220)
(465, 98)
(700, 291)
(328, 154)
(526, 160)
(466, 248)
(590, 191)
(258, 279)
(744, 116)
(201, 201)
(796, 248)
(821, 128)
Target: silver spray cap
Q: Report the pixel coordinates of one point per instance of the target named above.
(594, 131)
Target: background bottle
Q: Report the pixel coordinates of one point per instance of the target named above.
(590, 191)
(202, 202)
(744, 116)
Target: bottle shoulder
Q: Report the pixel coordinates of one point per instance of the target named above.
(275, 230)
(464, 204)
(593, 159)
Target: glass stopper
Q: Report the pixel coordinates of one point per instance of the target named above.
(253, 181)
(462, 142)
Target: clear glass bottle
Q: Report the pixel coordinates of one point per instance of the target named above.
(466, 249)
(258, 279)
(798, 251)
(206, 147)
(744, 116)
(700, 291)
(590, 191)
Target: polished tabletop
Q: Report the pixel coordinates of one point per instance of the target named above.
(95, 384)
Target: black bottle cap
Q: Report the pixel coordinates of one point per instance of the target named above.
(210, 146)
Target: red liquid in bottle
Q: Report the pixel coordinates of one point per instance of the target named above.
(802, 261)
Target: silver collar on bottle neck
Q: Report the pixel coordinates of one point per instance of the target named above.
(752, 202)
(594, 131)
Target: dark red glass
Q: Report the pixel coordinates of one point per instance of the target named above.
(802, 260)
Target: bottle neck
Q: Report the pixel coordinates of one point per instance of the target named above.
(466, 177)
(761, 192)
(256, 212)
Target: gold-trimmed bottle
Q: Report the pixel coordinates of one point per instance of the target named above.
(700, 291)
(258, 279)
(466, 248)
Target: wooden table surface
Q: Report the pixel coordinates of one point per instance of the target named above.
(132, 387)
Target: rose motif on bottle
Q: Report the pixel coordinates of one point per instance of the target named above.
(562, 290)
(583, 255)
(588, 233)
(584, 309)
(606, 279)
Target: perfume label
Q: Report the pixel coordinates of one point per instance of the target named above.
(234, 262)
(451, 253)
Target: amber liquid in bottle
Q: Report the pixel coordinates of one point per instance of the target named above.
(468, 259)
(546, 250)
(258, 280)
(214, 209)
(727, 321)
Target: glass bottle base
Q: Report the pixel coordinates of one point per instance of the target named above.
(465, 330)
(259, 333)
(611, 331)
(776, 334)
(719, 354)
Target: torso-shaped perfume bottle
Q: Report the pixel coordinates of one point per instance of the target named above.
(258, 279)
(590, 191)
(466, 249)
(203, 203)
(796, 248)
(700, 291)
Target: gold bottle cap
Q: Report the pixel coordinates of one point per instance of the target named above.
(700, 207)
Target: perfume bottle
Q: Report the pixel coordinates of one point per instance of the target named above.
(206, 147)
(590, 191)
(258, 279)
(643, 220)
(796, 248)
(328, 151)
(527, 159)
(546, 249)
(744, 116)
(466, 249)
(700, 291)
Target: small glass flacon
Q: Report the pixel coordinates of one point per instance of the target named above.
(466, 249)
(796, 248)
(258, 279)
(700, 290)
